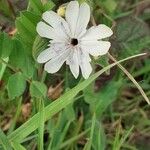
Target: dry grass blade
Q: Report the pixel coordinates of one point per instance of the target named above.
(131, 78)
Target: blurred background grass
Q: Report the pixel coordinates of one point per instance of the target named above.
(127, 117)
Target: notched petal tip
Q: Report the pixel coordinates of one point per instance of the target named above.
(106, 46)
(40, 59)
(106, 29)
(73, 3)
(48, 69)
(75, 75)
(84, 4)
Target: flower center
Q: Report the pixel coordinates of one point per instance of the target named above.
(74, 42)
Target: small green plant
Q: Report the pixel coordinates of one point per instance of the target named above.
(62, 83)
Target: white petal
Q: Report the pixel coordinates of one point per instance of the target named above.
(72, 12)
(55, 63)
(46, 31)
(60, 31)
(55, 20)
(96, 48)
(52, 18)
(97, 32)
(73, 63)
(46, 55)
(85, 66)
(83, 19)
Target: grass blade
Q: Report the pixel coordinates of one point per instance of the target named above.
(18, 146)
(88, 145)
(4, 141)
(73, 139)
(31, 125)
(132, 79)
(41, 125)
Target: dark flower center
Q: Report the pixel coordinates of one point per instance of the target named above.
(74, 42)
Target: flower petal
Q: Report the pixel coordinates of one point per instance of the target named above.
(73, 63)
(55, 63)
(97, 32)
(46, 55)
(85, 65)
(46, 31)
(55, 21)
(52, 18)
(96, 48)
(72, 12)
(83, 19)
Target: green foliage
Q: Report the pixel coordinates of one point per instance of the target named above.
(88, 145)
(132, 35)
(39, 45)
(18, 146)
(20, 59)
(4, 141)
(99, 137)
(6, 45)
(53, 108)
(5, 8)
(16, 85)
(99, 101)
(85, 114)
(38, 89)
(110, 5)
(26, 23)
(119, 141)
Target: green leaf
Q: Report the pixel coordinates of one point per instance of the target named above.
(53, 108)
(38, 6)
(35, 6)
(26, 25)
(118, 142)
(48, 6)
(18, 146)
(131, 36)
(59, 131)
(99, 137)
(39, 45)
(110, 5)
(3, 67)
(27, 22)
(16, 85)
(38, 89)
(88, 145)
(21, 60)
(41, 125)
(99, 101)
(6, 45)
(4, 141)
(5, 8)
(69, 112)
(26, 36)
(103, 61)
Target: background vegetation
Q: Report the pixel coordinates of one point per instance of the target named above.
(52, 112)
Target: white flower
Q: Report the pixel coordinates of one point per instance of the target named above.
(71, 42)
